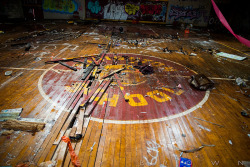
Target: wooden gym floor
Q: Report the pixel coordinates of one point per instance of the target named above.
(163, 116)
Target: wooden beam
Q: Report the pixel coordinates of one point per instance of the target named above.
(23, 125)
(112, 73)
(68, 59)
(91, 107)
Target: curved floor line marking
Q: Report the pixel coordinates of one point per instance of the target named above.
(40, 88)
(157, 119)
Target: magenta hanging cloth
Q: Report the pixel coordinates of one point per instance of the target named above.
(225, 23)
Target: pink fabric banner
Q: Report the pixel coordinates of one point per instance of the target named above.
(225, 23)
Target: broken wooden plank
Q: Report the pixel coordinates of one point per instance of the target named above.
(23, 125)
(101, 58)
(120, 86)
(112, 73)
(66, 65)
(10, 114)
(91, 107)
(61, 151)
(87, 71)
(94, 72)
(103, 82)
(80, 120)
(68, 121)
(96, 62)
(68, 59)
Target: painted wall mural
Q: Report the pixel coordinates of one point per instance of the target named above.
(94, 7)
(114, 12)
(60, 6)
(123, 10)
(131, 9)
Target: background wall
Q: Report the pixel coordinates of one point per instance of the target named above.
(189, 11)
(11, 9)
(63, 9)
(153, 11)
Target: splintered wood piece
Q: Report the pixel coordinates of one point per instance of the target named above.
(66, 65)
(68, 59)
(91, 107)
(23, 125)
(113, 72)
(87, 71)
(61, 151)
(100, 60)
(96, 62)
(120, 85)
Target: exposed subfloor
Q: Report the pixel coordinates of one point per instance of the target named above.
(164, 114)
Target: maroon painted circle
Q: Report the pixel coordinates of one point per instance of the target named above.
(152, 96)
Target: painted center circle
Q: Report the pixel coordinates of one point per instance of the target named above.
(164, 94)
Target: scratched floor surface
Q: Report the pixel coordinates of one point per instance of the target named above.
(164, 115)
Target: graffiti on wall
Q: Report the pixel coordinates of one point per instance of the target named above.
(131, 9)
(60, 6)
(114, 12)
(190, 13)
(94, 7)
(156, 11)
(152, 11)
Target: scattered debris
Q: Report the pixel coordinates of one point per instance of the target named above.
(240, 82)
(202, 127)
(245, 90)
(91, 148)
(192, 54)
(47, 164)
(195, 149)
(231, 56)
(179, 86)
(76, 137)
(183, 135)
(27, 47)
(230, 142)
(37, 59)
(7, 73)
(201, 82)
(208, 121)
(147, 69)
(245, 114)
